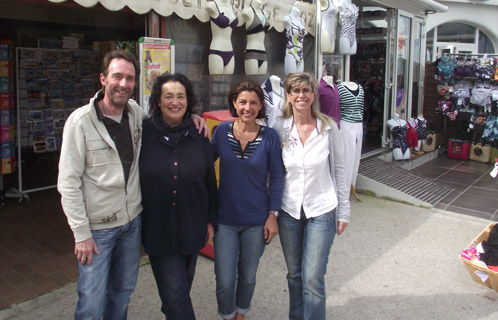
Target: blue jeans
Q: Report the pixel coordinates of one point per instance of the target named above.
(174, 275)
(306, 245)
(105, 286)
(232, 243)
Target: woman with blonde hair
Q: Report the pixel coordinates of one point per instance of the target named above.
(315, 202)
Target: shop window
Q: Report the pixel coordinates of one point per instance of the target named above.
(456, 32)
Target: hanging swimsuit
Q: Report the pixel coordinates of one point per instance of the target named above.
(257, 26)
(399, 140)
(491, 131)
(328, 20)
(348, 23)
(223, 22)
(411, 134)
(295, 36)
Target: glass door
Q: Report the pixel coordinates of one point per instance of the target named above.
(403, 63)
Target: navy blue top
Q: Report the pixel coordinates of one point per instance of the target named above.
(179, 195)
(252, 186)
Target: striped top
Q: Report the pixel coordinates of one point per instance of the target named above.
(250, 147)
(351, 103)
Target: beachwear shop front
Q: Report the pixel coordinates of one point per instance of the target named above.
(388, 62)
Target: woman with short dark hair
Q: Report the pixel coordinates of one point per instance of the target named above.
(251, 181)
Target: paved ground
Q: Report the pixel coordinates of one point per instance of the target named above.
(393, 262)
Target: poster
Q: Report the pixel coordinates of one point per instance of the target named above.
(156, 57)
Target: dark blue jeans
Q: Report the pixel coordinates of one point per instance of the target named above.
(174, 276)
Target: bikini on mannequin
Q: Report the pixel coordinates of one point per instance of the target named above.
(223, 20)
(274, 92)
(295, 32)
(348, 14)
(328, 13)
(398, 128)
(256, 27)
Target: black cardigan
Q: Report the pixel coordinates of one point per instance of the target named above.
(179, 192)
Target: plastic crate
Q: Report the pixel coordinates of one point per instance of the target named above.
(490, 277)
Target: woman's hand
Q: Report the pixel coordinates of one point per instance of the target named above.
(210, 233)
(342, 226)
(271, 228)
(200, 124)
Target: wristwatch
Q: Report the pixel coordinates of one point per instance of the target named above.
(274, 212)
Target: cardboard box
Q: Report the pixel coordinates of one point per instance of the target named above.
(484, 276)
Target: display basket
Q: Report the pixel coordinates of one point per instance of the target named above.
(488, 278)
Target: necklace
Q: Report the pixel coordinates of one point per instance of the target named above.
(305, 128)
(241, 136)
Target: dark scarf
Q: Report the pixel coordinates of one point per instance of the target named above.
(174, 134)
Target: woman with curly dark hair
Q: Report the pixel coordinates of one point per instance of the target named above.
(179, 193)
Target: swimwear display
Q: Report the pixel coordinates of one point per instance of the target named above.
(348, 23)
(225, 55)
(421, 128)
(223, 21)
(295, 36)
(411, 134)
(328, 20)
(399, 137)
(257, 24)
(259, 55)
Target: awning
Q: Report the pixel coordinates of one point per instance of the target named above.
(186, 9)
(421, 7)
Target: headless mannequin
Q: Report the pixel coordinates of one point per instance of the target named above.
(273, 109)
(295, 31)
(351, 124)
(350, 85)
(221, 59)
(329, 98)
(327, 38)
(348, 14)
(421, 131)
(329, 80)
(396, 124)
(255, 41)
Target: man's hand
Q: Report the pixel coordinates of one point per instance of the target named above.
(200, 124)
(84, 250)
(210, 233)
(271, 228)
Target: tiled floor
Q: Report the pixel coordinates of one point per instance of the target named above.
(36, 248)
(476, 192)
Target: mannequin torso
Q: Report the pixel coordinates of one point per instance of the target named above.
(256, 27)
(398, 127)
(273, 92)
(347, 38)
(223, 20)
(295, 32)
(328, 16)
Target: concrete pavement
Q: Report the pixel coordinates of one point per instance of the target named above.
(395, 261)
